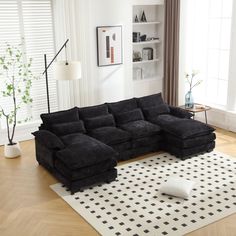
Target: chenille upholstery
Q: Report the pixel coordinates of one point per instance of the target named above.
(81, 146)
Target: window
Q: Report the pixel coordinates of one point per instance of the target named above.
(207, 37)
(31, 21)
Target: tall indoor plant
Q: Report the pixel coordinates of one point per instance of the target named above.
(15, 84)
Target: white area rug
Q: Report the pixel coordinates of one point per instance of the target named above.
(133, 205)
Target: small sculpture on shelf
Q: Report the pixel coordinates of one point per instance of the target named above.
(136, 37)
(137, 56)
(147, 53)
(136, 19)
(143, 37)
(143, 17)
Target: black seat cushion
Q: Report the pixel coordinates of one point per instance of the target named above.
(184, 153)
(153, 140)
(183, 128)
(150, 101)
(122, 106)
(110, 135)
(190, 142)
(85, 172)
(141, 128)
(121, 147)
(128, 116)
(72, 138)
(86, 151)
(99, 121)
(68, 128)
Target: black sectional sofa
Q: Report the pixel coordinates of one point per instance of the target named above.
(81, 146)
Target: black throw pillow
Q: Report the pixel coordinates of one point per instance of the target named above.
(60, 117)
(99, 121)
(68, 128)
(153, 112)
(126, 117)
(48, 139)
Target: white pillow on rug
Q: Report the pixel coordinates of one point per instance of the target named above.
(177, 187)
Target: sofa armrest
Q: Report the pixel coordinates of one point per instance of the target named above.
(48, 139)
(181, 113)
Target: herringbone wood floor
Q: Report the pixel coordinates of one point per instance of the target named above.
(29, 207)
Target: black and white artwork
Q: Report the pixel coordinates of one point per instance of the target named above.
(109, 45)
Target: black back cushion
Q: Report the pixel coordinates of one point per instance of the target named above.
(129, 116)
(122, 106)
(60, 117)
(150, 101)
(93, 111)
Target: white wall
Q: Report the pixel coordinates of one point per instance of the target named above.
(111, 83)
(77, 20)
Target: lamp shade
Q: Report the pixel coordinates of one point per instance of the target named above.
(70, 71)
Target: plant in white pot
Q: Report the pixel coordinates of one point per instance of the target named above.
(15, 84)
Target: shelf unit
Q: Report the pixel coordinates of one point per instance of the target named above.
(148, 74)
(146, 61)
(147, 42)
(146, 23)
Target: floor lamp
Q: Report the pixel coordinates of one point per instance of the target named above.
(63, 70)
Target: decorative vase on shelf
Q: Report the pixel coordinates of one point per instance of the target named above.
(189, 103)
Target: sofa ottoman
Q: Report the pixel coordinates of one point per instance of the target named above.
(185, 137)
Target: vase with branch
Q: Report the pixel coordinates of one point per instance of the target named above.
(192, 82)
(15, 85)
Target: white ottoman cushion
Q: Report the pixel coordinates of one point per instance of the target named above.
(177, 187)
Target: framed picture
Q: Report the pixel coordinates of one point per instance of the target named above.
(109, 45)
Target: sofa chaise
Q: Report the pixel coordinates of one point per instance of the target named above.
(81, 146)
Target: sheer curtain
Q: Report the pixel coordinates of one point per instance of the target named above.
(70, 20)
(208, 44)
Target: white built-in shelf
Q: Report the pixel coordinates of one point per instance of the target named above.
(147, 23)
(146, 61)
(147, 42)
(145, 80)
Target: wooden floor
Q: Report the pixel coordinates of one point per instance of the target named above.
(29, 207)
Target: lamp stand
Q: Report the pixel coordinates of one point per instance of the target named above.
(46, 77)
(46, 71)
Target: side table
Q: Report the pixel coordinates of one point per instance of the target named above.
(197, 108)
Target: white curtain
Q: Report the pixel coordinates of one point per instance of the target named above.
(208, 44)
(71, 19)
(195, 42)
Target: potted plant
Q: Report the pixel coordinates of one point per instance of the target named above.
(193, 82)
(15, 84)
